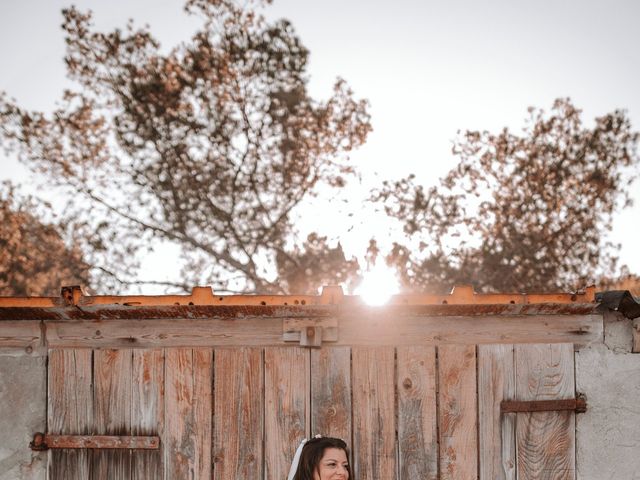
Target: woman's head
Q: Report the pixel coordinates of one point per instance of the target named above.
(324, 458)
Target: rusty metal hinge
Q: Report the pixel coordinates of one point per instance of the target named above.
(43, 441)
(578, 405)
(310, 332)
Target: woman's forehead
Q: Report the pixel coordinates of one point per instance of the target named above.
(332, 453)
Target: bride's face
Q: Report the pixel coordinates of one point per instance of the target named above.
(333, 465)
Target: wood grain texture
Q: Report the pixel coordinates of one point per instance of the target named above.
(70, 409)
(442, 330)
(20, 333)
(112, 381)
(374, 426)
(187, 426)
(545, 440)
(458, 412)
(286, 393)
(238, 414)
(496, 382)
(161, 333)
(331, 392)
(147, 410)
(417, 420)
(353, 330)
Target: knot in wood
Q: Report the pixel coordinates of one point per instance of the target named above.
(407, 383)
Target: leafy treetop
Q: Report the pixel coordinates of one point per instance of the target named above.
(211, 147)
(524, 212)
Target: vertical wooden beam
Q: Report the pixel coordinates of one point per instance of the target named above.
(496, 382)
(374, 427)
(545, 440)
(70, 409)
(112, 374)
(635, 347)
(417, 420)
(458, 412)
(147, 410)
(238, 414)
(187, 432)
(331, 392)
(286, 406)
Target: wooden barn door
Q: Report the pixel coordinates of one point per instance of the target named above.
(131, 392)
(239, 413)
(538, 445)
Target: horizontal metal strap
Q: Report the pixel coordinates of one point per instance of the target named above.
(579, 405)
(43, 441)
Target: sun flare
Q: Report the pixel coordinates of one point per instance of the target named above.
(378, 285)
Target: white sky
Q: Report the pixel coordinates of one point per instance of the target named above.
(428, 68)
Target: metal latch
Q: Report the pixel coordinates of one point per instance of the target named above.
(578, 405)
(43, 441)
(310, 332)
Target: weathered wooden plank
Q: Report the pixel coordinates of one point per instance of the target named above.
(286, 392)
(112, 375)
(374, 426)
(458, 412)
(156, 333)
(331, 392)
(20, 333)
(545, 440)
(101, 442)
(187, 425)
(147, 410)
(496, 382)
(417, 419)
(238, 413)
(373, 330)
(495, 329)
(70, 409)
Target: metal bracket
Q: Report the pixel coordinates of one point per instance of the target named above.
(310, 332)
(578, 405)
(42, 441)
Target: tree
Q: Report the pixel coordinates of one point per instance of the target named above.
(211, 147)
(317, 263)
(35, 259)
(519, 212)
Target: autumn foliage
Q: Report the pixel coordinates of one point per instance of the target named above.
(520, 212)
(210, 147)
(214, 145)
(34, 258)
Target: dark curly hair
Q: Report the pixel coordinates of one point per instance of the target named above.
(312, 453)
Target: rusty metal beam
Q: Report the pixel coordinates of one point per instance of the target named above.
(42, 441)
(578, 405)
(462, 295)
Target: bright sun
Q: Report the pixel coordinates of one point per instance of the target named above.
(378, 285)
